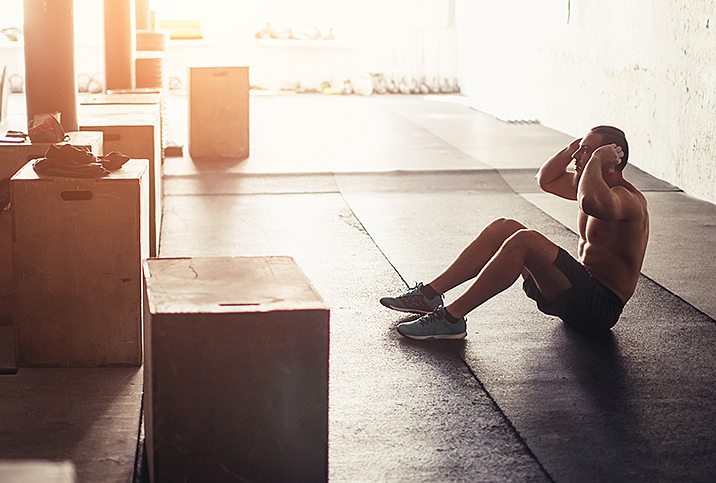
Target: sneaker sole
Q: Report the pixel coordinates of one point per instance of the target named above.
(404, 309)
(435, 337)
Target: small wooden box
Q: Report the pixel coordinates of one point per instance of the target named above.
(218, 112)
(14, 156)
(135, 131)
(77, 251)
(236, 371)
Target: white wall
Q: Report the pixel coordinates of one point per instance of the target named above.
(648, 66)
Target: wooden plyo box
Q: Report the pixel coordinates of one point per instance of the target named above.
(155, 97)
(14, 156)
(236, 371)
(7, 299)
(77, 251)
(135, 131)
(218, 112)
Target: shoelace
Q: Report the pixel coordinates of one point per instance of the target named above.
(413, 294)
(431, 318)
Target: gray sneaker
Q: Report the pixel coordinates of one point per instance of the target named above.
(413, 301)
(434, 326)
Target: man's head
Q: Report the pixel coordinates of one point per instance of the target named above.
(613, 135)
(601, 136)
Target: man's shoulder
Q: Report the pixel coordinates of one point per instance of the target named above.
(633, 193)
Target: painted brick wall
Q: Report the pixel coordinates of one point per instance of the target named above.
(648, 66)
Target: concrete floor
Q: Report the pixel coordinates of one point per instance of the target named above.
(370, 193)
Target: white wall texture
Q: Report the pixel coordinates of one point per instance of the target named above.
(647, 66)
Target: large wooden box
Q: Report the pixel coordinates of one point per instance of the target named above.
(14, 156)
(135, 131)
(218, 112)
(77, 251)
(236, 371)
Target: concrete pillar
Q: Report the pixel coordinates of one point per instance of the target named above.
(119, 43)
(143, 15)
(50, 80)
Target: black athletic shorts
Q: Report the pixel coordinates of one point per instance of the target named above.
(587, 306)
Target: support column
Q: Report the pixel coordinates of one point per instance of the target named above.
(119, 43)
(50, 80)
(144, 21)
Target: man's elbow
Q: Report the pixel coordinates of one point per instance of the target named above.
(543, 183)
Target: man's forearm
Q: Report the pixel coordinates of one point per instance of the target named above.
(593, 190)
(555, 166)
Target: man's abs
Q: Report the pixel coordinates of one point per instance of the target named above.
(613, 252)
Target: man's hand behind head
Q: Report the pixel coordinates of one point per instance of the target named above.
(608, 156)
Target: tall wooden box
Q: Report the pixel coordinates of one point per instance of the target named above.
(14, 156)
(236, 371)
(77, 250)
(7, 299)
(135, 131)
(219, 112)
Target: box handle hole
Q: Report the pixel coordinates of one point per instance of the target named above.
(81, 195)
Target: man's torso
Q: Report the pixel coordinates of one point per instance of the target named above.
(613, 252)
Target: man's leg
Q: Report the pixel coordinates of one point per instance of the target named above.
(476, 255)
(525, 249)
(424, 299)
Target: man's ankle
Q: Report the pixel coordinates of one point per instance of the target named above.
(429, 292)
(449, 317)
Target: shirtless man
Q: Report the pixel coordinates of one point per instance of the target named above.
(588, 294)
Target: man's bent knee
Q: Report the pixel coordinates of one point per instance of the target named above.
(508, 225)
(525, 237)
(531, 243)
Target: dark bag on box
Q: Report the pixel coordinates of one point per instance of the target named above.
(46, 128)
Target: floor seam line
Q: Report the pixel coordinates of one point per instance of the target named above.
(365, 230)
(504, 415)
